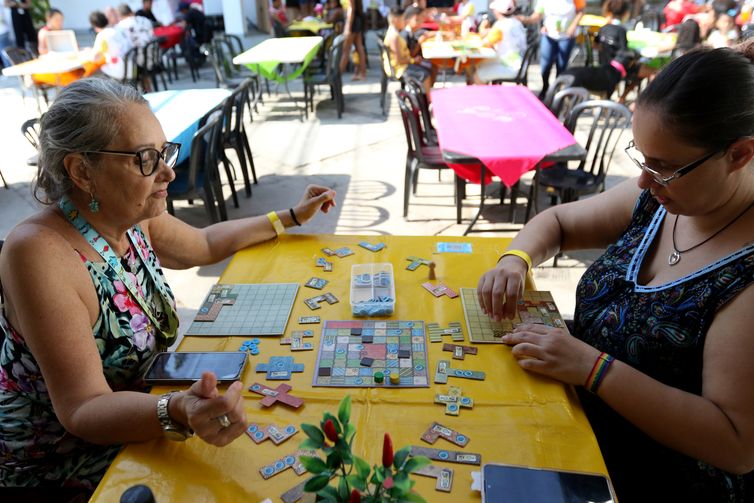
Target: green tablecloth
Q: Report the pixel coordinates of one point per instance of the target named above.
(266, 57)
(311, 26)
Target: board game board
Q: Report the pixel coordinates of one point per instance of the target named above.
(352, 352)
(245, 309)
(536, 307)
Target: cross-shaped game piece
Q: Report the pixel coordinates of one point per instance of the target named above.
(436, 331)
(440, 289)
(443, 371)
(280, 368)
(296, 340)
(279, 394)
(416, 262)
(454, 400)
(260, 433)
(436, 430)
(459, 351)
(289, 461)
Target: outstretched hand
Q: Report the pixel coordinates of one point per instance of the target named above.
(204, 406)
(316, 198)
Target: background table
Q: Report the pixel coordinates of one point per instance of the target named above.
(456, 54)
(179, 113)
(300, 28)
(265, 57)
(172, 34)
(56, 69)
(518, 417)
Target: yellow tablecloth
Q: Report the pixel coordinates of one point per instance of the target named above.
(518, 418)
(314, 27)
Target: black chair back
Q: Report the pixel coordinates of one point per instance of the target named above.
(17, 55)
(522, 77)
(565, 101)
(278, 29)
(131, 67)
(411, 115)
(560, 83)
(416, 89)
(30, 130)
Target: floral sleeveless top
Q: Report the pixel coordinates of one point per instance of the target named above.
(35, 449)
(659, 330)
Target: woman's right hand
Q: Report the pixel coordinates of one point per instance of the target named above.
(203, 406)
(500, 288)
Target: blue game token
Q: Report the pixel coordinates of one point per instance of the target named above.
(461, 438)
(252, 428)
(465, 400)
(254, 350)
(443, 455)
(255, 340)
(290, 429)
(452, 407)
(268, 470)
(258, 435)
(255, 387)
(289, 460)
(279, 464)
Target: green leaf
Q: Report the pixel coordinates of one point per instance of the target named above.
(401, 482)
(316, 483)
(357, 482)
(309, 444)
(415, 463)
(350, 432)
(344, 411)
(314, 433)
(343, 490)
(334, 459)
(362, 467)
(378, 476)
(411, 498)
(313, 465)
(400, 457)
(329, 493)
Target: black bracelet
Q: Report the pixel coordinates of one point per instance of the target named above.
(293, 216)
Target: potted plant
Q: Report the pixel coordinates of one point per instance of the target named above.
(341, 476)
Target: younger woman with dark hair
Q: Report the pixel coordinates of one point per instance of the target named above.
(662, 341)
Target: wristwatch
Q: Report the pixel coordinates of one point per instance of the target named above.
(172, 430)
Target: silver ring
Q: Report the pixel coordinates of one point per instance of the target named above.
(224, 421)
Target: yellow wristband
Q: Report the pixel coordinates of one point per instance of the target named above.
(520, 254)
(276, 223)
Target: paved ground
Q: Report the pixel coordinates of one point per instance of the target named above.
(361, 156)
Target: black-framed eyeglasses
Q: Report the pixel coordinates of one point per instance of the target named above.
(632, 152)
(149, 158)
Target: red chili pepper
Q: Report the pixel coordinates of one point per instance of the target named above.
(387, 451)
(330, 431)
(355, 497)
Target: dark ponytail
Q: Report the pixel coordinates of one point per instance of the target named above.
(706, 96)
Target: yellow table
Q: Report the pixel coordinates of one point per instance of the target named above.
(518, 418)
(311, 26)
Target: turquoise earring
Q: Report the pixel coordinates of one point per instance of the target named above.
(93, 205)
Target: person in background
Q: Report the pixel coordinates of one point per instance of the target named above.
(111, 13)
(400, 57)
(111, 45)
(139, 32)
(676, 11)
(415, 35)
(354, 28)
(194, 20)
(146, 11)
(86, 305)
(560, 19)
(725, 33)
(23, 26)
(4, 35)
(277, 13)
(662, 341)
(508, 37)
(334, 12)
(54, 22)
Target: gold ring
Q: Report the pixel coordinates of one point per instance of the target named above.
(224, 421)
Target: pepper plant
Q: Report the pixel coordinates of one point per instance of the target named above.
(353, 480)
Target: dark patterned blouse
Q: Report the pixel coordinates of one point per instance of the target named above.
(660, 331)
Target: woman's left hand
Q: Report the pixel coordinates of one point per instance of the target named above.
(552, 352)
(315, 198)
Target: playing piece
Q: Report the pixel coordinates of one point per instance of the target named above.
(436, 430)
(279, 394)
(416, 262)
(443, 475)
(466, 458)
(313, 303)
(453, 248)
(366, 362)
(439, 290)
(535, 307)
(259, 433)
(436, 332)
(328, 251)
(328, 267)
(330, 298)
(454, 400)
(432, 274)
(443, 371)
(321, 261)
(297, 333)
(280, 368)
(343, 252)
(317, 283)
(289, 461)
(344, 345)
(459, 352)
(305, 320)
(371, 247)
(257, 309)
(294, 494)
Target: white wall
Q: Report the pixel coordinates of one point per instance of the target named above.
(77, 12)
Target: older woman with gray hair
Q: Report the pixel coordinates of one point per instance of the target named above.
(86, 305)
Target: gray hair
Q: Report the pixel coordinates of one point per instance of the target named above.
(84, 117)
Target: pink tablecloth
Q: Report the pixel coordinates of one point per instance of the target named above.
(506, 127)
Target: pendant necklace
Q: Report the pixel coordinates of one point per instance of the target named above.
(675, 255)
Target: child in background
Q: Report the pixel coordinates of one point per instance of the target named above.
(54, 22)
(725, 33)
(508, 37)
(277, 12)
(401, 60)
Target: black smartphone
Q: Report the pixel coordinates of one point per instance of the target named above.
(520, 484)
(187, 367)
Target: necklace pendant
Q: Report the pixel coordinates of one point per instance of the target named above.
(674, 258)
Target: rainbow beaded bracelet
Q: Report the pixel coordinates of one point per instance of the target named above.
(598, 372)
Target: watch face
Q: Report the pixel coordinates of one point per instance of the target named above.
(175, 435)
